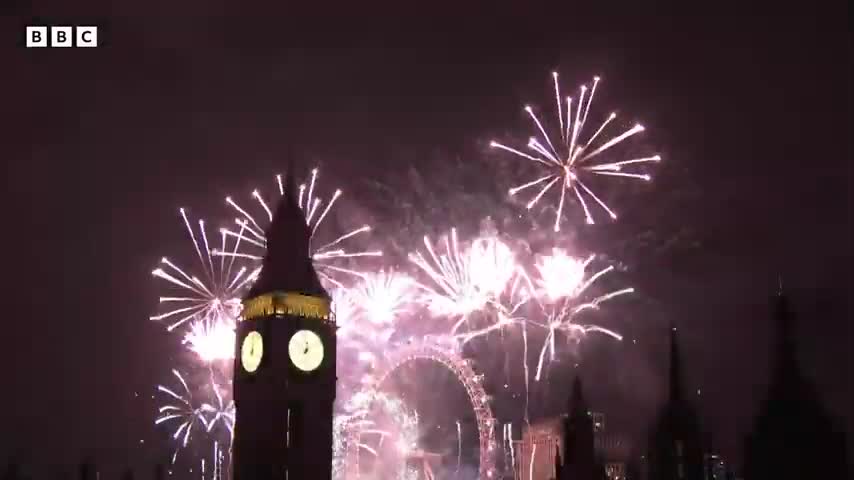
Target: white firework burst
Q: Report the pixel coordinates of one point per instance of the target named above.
(572, 154)
(210, 301)
(561, 285)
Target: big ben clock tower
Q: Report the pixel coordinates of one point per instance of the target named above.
(284, 373)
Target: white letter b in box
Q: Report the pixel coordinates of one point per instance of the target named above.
(61, 36)
(36, 37)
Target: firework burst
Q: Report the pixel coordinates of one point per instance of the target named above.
(222, 411)
(210, 302)
(367, 313)
(326, 257)
(181, 411)
(212, 338)
(367, 317)
(463, 281)
(572, 155)
(383, 297)
(561, 285)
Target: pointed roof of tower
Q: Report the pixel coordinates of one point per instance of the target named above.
(287, 265)
(785, 348)
(675, 367)
(677, 421)
(792, 422)
(577, 402)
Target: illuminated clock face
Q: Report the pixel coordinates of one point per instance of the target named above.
(306, 350)
(252, 351)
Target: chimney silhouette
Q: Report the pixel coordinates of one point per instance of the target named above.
(87, 470)
(13, 471)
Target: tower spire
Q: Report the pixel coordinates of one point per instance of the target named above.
(287, 265)
(577, 403)
(290, 185)
(675, 366)
(785, 348)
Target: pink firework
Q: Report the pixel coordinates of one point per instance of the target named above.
(570, 155)
(561, 284)
(209, 302)
(463, 281)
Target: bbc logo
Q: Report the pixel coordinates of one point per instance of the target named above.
(44, 36)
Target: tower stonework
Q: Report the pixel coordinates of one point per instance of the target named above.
(284, 372)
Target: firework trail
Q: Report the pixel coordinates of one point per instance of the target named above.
(459, 445)
(560, 286)
(508, 445)
(572, 155)
(210, 302)
(325, 257)
(180, 411)
(222, 411)
(464, 281)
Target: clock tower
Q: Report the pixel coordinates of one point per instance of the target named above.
(284, 372)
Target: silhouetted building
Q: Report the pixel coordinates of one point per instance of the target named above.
(12, 472)
(598, 422)
(675, 448)
(793, 436)
(284, 373)
(579, 460)
(88, 471)
(536, 452)
(714, 467)
(612, 449)
(542, 442)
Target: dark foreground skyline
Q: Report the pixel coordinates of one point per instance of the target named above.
(752, 116)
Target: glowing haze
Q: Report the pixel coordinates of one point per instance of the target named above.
(453, 290)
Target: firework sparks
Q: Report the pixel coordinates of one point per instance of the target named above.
(561, 287)
(326, 257)
(459, 445)
(346, 312)
(222, 411)
(210, 301)
(384, 296)
(372, 419)
(212, 338)
(366, 314)
(367, 318)
(469, 280)
(180, 411)
(479, 286)
(572, 155)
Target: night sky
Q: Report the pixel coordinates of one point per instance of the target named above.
(100, 146)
